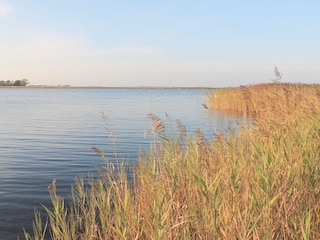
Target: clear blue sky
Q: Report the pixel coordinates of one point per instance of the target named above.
(159, 43)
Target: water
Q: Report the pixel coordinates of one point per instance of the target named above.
(47, 134)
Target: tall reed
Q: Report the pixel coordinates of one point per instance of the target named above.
(260, 183)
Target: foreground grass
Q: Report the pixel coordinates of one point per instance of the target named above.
(260, 183)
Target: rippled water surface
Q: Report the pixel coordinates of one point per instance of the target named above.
(48, 133)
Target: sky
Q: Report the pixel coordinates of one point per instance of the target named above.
(159, 43)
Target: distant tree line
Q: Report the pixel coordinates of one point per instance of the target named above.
(17, 83)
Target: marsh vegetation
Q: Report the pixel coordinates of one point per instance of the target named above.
(262, 182)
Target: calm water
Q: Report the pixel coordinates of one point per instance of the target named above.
(48, 133)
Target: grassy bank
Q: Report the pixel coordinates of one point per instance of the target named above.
(260, 183)
(259, 98)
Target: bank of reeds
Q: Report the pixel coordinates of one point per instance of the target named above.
(260, 183)
(253, 99)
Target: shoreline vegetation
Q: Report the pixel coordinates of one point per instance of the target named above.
(15, 83)
(262, 182)
(107, 87)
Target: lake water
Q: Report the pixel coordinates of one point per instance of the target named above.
(47, 134)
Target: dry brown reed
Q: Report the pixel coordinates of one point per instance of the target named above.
(254, 99)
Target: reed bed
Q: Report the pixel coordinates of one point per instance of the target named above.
(260, 183)
(253, 99)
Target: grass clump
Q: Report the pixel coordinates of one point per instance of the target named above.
(260, 183)
(254, 99)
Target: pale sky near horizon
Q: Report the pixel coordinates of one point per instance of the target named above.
(159, 43)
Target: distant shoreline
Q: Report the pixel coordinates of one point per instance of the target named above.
(72, 87)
